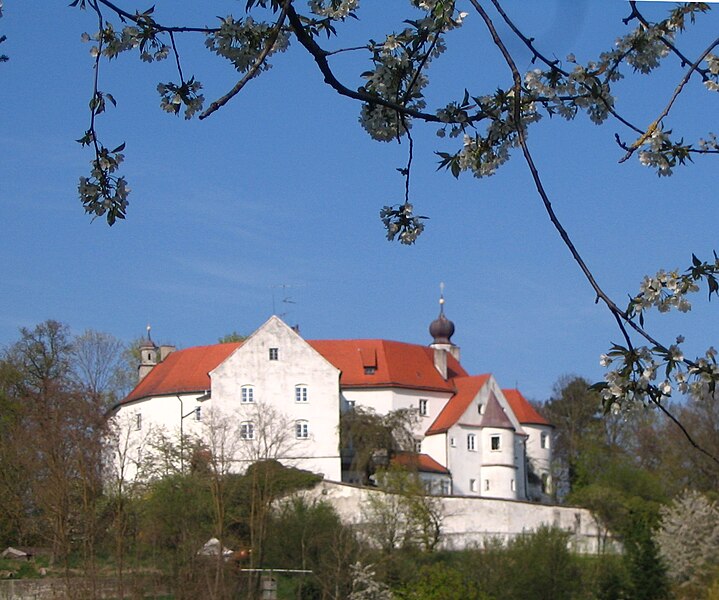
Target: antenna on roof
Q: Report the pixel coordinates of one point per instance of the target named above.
(285, 298)
(441, 297)
(149, 328)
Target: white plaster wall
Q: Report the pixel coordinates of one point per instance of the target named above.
(436, 446)
(541, 457)
(383, 400)
(274, 383)
(160, 414)
(468, 522)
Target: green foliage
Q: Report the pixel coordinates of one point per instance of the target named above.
(439, 581)
(309, 535)
(231, 337)
(370, 439)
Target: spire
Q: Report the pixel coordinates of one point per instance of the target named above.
(441, 329)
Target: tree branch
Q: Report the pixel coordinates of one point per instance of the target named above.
(256, 66)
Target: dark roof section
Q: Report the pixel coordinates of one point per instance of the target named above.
(494, 415)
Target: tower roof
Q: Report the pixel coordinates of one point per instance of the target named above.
(441, 329)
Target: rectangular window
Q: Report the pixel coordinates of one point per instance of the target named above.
(138, 421)
(418, 446)
(198, 413)
(544, 440)
(471, 444)
(302, 431)
(453, 442)
(513, 486)
(247, 430)
(351, 403)
(496, 442)
(446, 487)
(370, 370)
(472, 485)
(423, 407)
(300, 393)
(486, 485)
(274, 353)
(247, 395)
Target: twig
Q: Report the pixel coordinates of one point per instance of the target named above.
(259, 61)
(618, 314)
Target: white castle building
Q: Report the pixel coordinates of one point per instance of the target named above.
(284, 396)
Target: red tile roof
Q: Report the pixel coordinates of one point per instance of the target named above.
(422, 462)
(524, 411)
(182, 371)
(397, 364)
(467, 389)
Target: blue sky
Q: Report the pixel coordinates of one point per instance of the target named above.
(283, 188)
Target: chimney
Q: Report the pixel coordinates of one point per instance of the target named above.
(165, 351)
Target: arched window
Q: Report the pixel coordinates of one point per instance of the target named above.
(301, 393)
(247, 394)
(302, 430)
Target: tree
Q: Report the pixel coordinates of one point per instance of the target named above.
(403, 515)
(99, 366)
(369, 440)
(688, 539)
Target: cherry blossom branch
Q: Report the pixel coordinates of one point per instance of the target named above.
(619, 315)
(320, 57)
(253, 70)
(636, 14)
(124, 15)
(678, 90)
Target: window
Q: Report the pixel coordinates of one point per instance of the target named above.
(480, 408)
(198, 413)
(274, 353)
(247, 394)
(423, 407)
(544, 440)
(370, 370)
(496, 442)
(138, 421)
(472, 485)
(300, 393)
(418, 446)
(302, 431)
(486, 485)
(351, 403)
(446, 487)
(513, 486)
(247, 430)
(471, 444)
(453, 442)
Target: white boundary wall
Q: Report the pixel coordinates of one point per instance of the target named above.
(469, 521)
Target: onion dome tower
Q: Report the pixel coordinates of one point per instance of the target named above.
(442, 330)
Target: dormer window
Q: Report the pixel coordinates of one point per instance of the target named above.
(370, 370)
